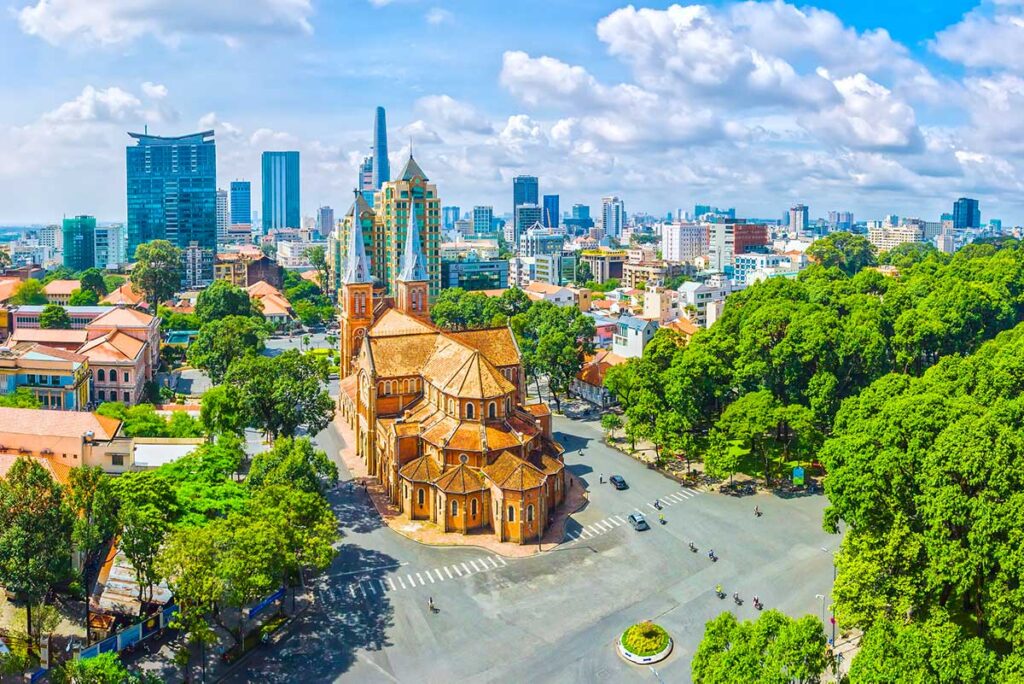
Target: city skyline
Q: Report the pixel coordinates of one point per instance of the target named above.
(850, 111)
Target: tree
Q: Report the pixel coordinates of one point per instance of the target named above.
(80, 297)
(59, 273)
(306, 520)
(564, 339)
(843, 250)
(222, 299)
(294, 462)
(112, 282)
(222, 411)
(182, 424)
(254, 560)
(35, 532)
(282, 393)
(106, 668)
(28, 291)
(203, 482)
(93, 279)
(583, 273)
(318, 260)
(220, 342)
(772, 648)
(142, 530)
(90, 495)
(142, 420)
(20, 398)
(54, 316)
(456, 309)
(157, 272)
(611, 422)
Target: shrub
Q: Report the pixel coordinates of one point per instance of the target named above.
(645, 639)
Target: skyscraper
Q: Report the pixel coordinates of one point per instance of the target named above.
(80, 242)
(966, 213)
(580, 211)
(551, 213)
(613, 216)
(172, 193)
(241, 203)
(483, 220)
(526, 215)
(365, 181)
(223, 219)
(109, 246)
(449, 215)
(410, 190)
(524, 191)
(280, 190)
(798, 218)
(324, 220)
(381, 167)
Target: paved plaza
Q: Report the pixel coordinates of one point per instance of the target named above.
(553, 617)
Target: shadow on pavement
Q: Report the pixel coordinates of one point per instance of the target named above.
(572, 442)
(347, 617)
(354, 510)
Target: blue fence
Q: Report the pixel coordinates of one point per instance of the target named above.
(132, 635)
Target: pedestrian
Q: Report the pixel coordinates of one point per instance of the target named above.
(602, 478)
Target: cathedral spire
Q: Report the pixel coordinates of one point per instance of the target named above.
(414, 263)
(357, 269)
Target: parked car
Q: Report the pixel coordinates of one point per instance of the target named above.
(618, 482)
(638, 522)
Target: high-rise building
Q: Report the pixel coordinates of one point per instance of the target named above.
(551, 213)
(281, 191)
(483, 219)
(241, 203)
(525, 216)
(80, 242)
(391, 222)
(381, 166)
(172, 192)
(727, 239)
(966, 213)
(683, 241)
(52, 236)
(365, 181)
(580, 211)
(799, 221)
(449, 215)
(840, 221)
(524, 191)
(324, 220)
(223, 216)
(613, 216)
(110, 247)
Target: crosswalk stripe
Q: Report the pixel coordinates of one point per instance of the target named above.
(586, 534)
(619, 518)
(439, 575)
(361, 590)
(595, 529)
(457, 571)
(501, 560)
(412, 582)
(449, 572)
(613, 521)
(430, 577)
(401, 582)
(684, 495)
(466, 568)
(473, 563)
(392, 584)
(492, 562)
(420, 578)
(692, 491)
(352, 590)
(652, 507)
(373, 589)
(603, 526)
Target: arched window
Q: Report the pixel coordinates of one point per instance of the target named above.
(124, 376)
(420, 493)
(511, 514)
(387, 387)
(529, 513)
(101, 375)
(472, 507)
(455, 508)
(380, 388)
(492, 410)
(469, 410)
(103, 395)
(451, 406)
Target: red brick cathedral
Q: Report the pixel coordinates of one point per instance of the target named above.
(438, 416)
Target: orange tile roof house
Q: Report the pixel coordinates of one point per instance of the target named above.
(439, 416)
(124, 296)
(589, 382)
(59, 291)
(275, 307)
(123, 348)
(67, 438)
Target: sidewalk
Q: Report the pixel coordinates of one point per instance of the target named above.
(427, 533)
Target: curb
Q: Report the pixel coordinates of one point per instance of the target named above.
(633, 658)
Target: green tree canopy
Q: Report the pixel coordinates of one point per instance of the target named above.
(223, 411)
(92, 279)
(222, 341)
(157, 272)
(294, 462)
(54, 316)
(20, 398)
(843, 250)
(29, 291)
(80, 297)
(222, 299)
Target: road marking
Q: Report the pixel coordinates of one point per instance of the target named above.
(352, 590)
(391, 582)
(466, 568)
(600, 525)
(361, 590)
(412, 582)
(457, 571)
(449, 572)
(595, 530)
(586, 534)
(619, 518)
(692, 491)
(501, 560)
(473, 563)
(429, 576)
(383, 587)
(652, 507)
(614, 521)
(439, 575)
(420, 578)
(400, 582)
(492, 562)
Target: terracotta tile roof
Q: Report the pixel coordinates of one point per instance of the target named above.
(401, 355)
(500, 436)
(460, 480)
(602, 304)
(274, 305)
(123, 295)
(56, 423)
(438, 433)
(394, 322)
(683, 327)
(498, 345)
(7, 288)
(494, 293)
(543, 288)
(349, 386)
(467, 437)
(422, 469)
(311, 276)
(33, 351)
(261, 289)
(49, 335)
(551, 466)
(60, 472)
(510, 472)
(123, 317)
(538, 409)
(61, 287)
(595, 368)
(465, 373)
(114, 346)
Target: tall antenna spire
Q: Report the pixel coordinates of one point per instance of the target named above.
(414, 268)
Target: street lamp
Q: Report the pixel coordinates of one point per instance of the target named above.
(821, 597)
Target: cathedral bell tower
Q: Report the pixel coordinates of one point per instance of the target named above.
(413, 282)
(356, 295)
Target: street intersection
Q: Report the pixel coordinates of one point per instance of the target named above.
(555, 616)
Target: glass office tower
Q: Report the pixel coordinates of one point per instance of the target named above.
(281, 191)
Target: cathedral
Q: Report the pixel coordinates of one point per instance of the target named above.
(439, 417)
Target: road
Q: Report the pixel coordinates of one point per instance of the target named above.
(553, 617)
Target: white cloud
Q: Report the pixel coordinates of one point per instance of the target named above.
(111, 22)
(154, 91)
(991, 35)
(452, 114)
(436, 16)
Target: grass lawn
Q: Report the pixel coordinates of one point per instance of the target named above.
(645, 639)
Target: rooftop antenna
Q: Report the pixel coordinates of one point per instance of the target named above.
(145, 128)
(410, 147)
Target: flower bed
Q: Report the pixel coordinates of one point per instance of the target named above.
(645, 642)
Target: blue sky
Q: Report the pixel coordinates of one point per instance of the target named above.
(876, 107)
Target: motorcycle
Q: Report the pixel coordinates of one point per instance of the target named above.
(693, 547)
(737, 599)
(757, 604)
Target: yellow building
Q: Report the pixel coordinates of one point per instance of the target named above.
(438, 416)
(58, 378)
